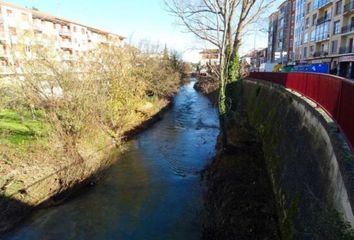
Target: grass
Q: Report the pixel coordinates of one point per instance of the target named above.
(19, 128)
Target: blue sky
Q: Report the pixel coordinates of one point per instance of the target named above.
(135, 19)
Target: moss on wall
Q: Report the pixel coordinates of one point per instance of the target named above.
(299, 159)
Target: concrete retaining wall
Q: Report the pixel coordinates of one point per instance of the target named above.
(308, 161)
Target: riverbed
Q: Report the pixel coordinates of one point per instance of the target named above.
(154, 189)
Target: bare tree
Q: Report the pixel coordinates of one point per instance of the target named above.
(222, 24)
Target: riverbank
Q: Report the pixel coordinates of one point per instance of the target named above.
(238, 198)
(208, 86)
(47, 176)
(152, 192)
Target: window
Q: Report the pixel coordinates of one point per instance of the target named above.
(27, 48)
(8, 13)
(334, 46)
(336, 27)
(24, 17)
(338, 8)
(74, 29)
(306, 37)
(308, 8)
(305, 51)
(311, 49)
(350, 44)
(314, 17)
(322, 31)
(12, 31)
(313, 36)
(82, 30)
(325, 15)
(307, 22)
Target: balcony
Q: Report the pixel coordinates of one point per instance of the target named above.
(348, 7)
(347, 29)
(67, 57)
(323, 19)
(322, 3)
(37, 27)
(3, 53)
(40, 42)
(11, 22)
(322, 37)
(66, 45)
(345, 50)
(320, 54)
(65, 32)
(24, 25)
(3, 36)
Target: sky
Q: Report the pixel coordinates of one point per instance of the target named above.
(137, 20)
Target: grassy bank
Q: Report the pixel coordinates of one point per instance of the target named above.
(22, 128)
(59, 129)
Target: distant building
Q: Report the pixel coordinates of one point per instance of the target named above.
(328, 35)
(298, 29)
(272, 37)
(209, 57)
(255, 58)
(281, 33)
(23, 28)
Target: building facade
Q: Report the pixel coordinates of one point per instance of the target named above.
(209, 57)
(23, 28)
(255, 58)
(281, 33)
(328, 33)
(298, 28)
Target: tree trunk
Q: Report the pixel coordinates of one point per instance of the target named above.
(222, 94)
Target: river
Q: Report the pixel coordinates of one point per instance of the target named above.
(153, 191)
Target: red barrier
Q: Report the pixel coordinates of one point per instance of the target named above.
(334, 94)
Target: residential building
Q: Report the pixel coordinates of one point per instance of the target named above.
(281, 33)
(328, 35)
(209, 57)
(255, 58)
(25, 28)
(272, 38)
(298, 29)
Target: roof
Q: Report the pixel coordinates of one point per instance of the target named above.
(209, 51)
(42, 15)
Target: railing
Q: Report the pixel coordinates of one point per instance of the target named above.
(66, 44)
(320, 53)
(348, 7)
(344, 50)
(322, 36)
(65, 32)
(334, 94)
(347, 28)
(323, 19)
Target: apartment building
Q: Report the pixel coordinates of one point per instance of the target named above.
(328, 33)
(209, 57)
(281, 33)
(255, 59)
(298, 29)
(24, 28)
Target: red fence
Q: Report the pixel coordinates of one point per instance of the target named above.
(334, 94)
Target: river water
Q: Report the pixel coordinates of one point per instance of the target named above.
(153, 191)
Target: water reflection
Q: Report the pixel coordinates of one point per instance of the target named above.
(152, 192)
